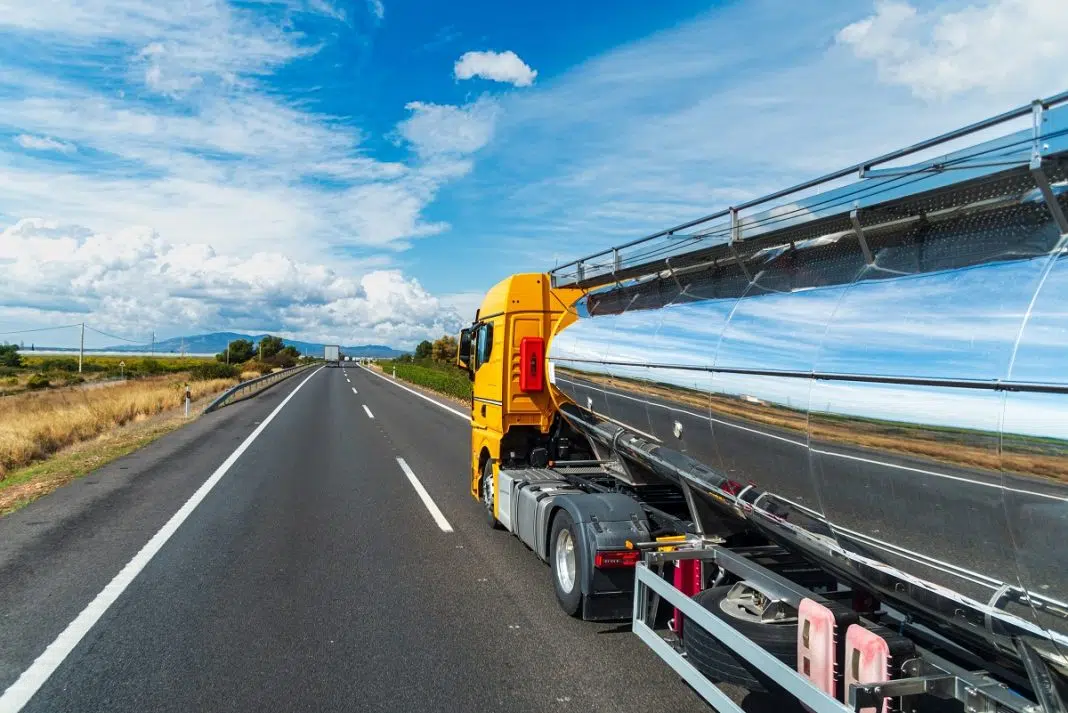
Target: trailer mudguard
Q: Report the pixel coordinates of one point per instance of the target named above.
(606, 521)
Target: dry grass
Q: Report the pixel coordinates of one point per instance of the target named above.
(35, 425)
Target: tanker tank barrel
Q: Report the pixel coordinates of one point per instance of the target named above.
(872, 376)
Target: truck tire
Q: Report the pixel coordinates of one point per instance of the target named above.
(719, 664)
(568, 562)
(486, 488)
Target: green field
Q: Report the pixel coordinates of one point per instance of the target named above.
(110, 364)
(443, 378)
(44, 371)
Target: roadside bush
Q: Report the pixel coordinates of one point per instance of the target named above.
(69, 364)
(283, 359)
(150, 366)
(259, 367)
(38, 381)
(213, 370)
(443, 378)
(9, 355)
(72, 379)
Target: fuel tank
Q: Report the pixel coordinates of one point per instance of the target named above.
(890, 398)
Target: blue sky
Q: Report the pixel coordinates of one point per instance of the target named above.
(363, 170)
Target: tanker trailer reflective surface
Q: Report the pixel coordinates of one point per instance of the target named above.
(903, 399)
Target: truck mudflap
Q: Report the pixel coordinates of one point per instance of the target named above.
(607, 521)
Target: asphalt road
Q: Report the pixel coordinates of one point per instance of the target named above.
(311, 577)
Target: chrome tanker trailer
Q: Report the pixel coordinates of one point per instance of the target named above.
(835, 419)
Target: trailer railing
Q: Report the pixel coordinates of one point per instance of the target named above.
(247, 389)
(1022, 151)
(927, 674)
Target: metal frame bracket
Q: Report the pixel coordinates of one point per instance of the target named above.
(1045, 688)
(671, 272)
(736, 235)
(854, 217)
(1038, 171)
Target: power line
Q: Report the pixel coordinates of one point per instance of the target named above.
(41, 329)
(113, 336)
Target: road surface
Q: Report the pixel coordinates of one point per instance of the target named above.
(312, 576)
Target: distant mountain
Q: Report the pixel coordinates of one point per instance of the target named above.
(216, 342)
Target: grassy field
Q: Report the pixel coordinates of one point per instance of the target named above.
(41, 371)
(443, 378)
(36, 424)
(24, 485)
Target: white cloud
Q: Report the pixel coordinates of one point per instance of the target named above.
(696, 118)
(43, 143)
(173, 120)
(134, 281)
(443, 129)
(990, 46)
(377, 8)
(496, 66)
(219, 159)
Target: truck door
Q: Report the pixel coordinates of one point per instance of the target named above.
(486, 407)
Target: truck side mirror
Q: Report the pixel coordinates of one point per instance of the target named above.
(463, 354)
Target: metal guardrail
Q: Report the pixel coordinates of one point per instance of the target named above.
(252, 387)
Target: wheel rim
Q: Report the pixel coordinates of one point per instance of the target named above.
(487, 492)
(565, 560)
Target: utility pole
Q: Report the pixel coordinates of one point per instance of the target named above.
(81, 349)
(228, 354)
(152, 349)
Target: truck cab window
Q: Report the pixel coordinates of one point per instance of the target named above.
(484, 345)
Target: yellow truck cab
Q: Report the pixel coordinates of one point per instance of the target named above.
(525, 459)
(504, 351)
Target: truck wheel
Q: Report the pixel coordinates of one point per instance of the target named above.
(487, 495)
(568, 562)
(718, 663)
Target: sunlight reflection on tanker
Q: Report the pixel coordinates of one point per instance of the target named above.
(866, 397)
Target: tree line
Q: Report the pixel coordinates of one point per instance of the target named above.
(440, 350)
(271, 350)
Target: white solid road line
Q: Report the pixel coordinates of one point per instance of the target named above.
(461, 414)
(31, 680)
(354, 390)
(369, 414)
(435, 511)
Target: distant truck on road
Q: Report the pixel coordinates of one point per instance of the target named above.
(826, 436)
(332, 354)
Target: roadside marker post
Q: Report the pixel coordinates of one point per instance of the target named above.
(188, 396)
